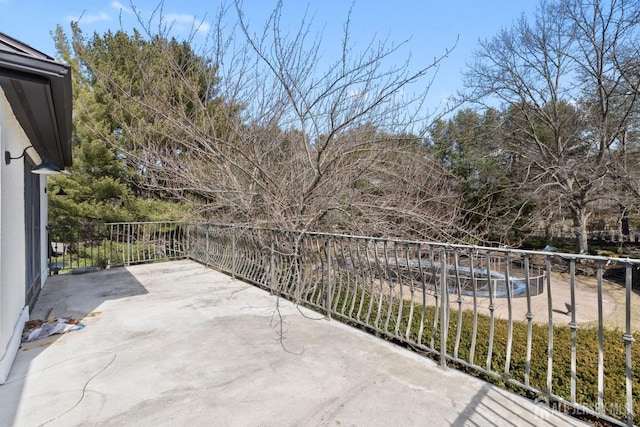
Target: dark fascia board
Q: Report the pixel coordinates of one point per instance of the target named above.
(8, 43)
(39, 91)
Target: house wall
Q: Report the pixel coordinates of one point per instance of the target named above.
(13, 311)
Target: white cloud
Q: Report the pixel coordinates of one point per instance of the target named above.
(87, 19)
(187, 23)
(120, 7)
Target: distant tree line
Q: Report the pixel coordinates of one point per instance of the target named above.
(566, 85)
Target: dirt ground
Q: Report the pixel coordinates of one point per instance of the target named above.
(586, 296)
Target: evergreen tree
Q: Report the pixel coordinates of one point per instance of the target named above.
(469, 146)
(101, 186)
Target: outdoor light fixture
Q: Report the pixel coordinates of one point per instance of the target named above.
(60, 192)
(45, 168)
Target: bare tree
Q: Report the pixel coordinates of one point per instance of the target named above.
(258, 130)
(566, 98)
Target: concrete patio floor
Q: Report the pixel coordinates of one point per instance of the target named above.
(180, 344)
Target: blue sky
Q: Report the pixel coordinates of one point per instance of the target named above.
(432, 26)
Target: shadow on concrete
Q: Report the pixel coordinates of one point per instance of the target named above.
(484, 410)
(69, 296)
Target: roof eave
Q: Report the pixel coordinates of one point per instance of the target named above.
(39, 90)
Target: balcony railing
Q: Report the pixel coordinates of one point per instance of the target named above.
(98, 246)
(494, 312)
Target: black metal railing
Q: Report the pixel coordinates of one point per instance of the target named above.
(98, 246)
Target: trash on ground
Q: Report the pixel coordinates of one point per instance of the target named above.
(37, 329)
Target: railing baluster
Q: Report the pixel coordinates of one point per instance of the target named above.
(129, 242)
(492, 309)
(600, 343)
(187, 247)
(411, 280)
(339, 281)
(345, 275)
(380, 296)
(207, 247)
(399, 285)
(423, 287)
(135, 246)
(474, 284)
(456, 266)
(329, 276)
(272, 267)
(444, 314)
(573, 326)
(354, 273)
(233, 252)
(390, 285)
(372, 281)
(508, 284)
(360, 272)
(437, 287)
(529, 316)
(111, 240)
(321, 278)
(550, 328)
(628, 340)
